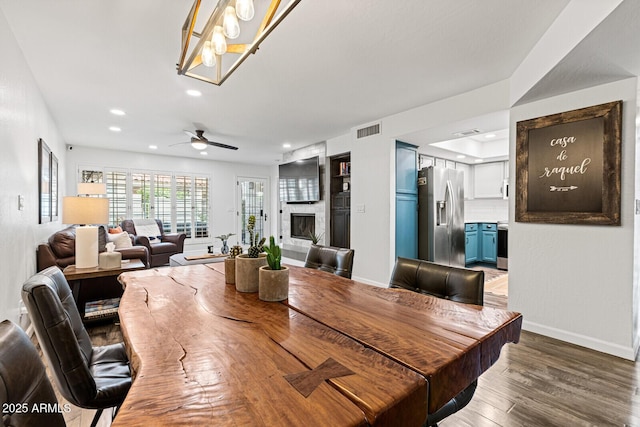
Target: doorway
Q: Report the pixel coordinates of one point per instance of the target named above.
(252, 200)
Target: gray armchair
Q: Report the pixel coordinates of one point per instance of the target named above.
(161, 247)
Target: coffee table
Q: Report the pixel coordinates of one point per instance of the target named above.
(182, 259)
(80, 280)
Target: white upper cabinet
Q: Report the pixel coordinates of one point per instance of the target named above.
(488, 180)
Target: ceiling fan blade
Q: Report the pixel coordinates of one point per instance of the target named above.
(179, 143)
(191, 134)
(219, 144)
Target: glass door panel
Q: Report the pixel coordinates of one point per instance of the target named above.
(251, 199)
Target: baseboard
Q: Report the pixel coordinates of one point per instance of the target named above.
(628, 353)
(299, 256)
(370, 282)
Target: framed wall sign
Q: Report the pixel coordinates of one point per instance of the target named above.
(54, 188)
(568, 167)
(44, 181)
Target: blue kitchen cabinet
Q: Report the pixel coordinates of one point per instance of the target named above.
(406, 200)
(489, 238)
(471, 243)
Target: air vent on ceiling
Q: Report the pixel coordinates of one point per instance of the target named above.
(467, 132)
(368, 131)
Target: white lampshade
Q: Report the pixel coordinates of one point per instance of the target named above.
(85, 210)
(92, 188)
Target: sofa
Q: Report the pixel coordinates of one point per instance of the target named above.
(60, 249)
(160, 245)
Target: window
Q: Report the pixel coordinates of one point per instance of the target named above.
(117, 195)
(183, 204)
(162, 200)
(141, 200)
(201, 206)
(180, 202)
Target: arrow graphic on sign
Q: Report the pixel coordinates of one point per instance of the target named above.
(569, 188)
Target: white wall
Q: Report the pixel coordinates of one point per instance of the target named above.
(577, 282)
(224, 193)
(24, 117)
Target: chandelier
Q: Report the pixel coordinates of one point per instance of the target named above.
(228, 32)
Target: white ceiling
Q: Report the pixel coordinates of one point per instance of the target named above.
(328, 67)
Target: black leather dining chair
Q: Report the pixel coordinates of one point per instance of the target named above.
(88, 377)
(338, 261)
(24, 382)
(453, 283)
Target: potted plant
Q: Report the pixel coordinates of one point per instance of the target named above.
(230, 265)
(273, 278)
(247, 265)
(224, 238)
(315, 238)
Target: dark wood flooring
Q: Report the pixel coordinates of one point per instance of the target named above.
(538, 382)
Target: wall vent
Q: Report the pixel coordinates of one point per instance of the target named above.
(467, 132)
(368, 131)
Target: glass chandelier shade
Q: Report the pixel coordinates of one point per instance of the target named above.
(245, 9)
(230, 25)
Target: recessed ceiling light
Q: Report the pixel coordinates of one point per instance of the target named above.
(117, 112)
(193, 92)
(204, 153)
(490, 135)
(114, 129)
(479, 160)
(286, 145)
(460, 156)
(153, 147)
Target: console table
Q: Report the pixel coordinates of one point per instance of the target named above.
(203, 354)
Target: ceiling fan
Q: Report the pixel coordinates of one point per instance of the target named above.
(199, 142)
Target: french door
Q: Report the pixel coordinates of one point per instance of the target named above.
(252, 200)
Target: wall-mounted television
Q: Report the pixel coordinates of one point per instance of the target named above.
(299, 181)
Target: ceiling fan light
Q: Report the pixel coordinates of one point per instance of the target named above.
(245, 9)
(208, 57)
(230, 25)
(198, 145)
(218, 41)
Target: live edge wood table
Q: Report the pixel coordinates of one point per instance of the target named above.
(203, 354)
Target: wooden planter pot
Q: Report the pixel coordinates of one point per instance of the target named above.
(274, 284)
(230, 271)
(247, 278)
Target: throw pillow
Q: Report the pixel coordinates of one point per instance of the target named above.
(115, 230)
(121, 240)
(146, 227)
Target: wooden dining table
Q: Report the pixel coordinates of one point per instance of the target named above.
(336, 353)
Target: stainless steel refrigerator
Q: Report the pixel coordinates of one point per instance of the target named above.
(441, 216)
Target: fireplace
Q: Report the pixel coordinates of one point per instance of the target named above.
(303, 225)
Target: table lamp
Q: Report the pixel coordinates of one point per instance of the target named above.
(86, 211)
